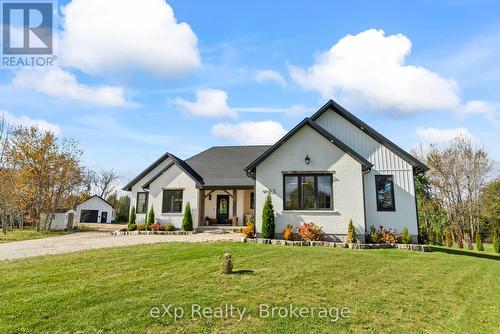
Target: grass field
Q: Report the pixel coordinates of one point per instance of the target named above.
(26, 234)
(113, 290)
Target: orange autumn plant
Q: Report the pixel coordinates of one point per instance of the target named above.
(310, 232)
(288, 232)
(249, 230)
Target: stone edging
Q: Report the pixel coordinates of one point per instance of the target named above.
(153, 232)
(414, 247)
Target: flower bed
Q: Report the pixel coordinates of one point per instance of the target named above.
(153, 232)
(414, 247)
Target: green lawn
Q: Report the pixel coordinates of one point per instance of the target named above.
(26, 234)
(113, 290)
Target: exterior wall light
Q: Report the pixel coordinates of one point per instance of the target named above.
(307, 160)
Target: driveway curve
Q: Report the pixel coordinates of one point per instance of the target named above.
(94, 240)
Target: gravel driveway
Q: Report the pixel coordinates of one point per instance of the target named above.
(93, 240)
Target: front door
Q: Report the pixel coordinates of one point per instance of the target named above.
(104, 217)
(69, 225)
(222, 208)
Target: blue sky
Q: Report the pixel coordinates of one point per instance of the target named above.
(134, 82)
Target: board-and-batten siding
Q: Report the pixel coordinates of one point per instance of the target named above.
(385, 162)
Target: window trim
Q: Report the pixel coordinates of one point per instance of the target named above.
(299, 178)
(393, 209)
(145, 202)
(163, 196)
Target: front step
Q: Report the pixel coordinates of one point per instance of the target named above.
(219, 229)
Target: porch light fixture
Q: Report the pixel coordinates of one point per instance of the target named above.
(307, 160)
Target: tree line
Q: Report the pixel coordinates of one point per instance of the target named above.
(459, 197)
(41, 173)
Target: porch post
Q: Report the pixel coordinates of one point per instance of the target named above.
(201, 211)
(235, 200)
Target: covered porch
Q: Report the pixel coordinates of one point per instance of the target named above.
(226, 206)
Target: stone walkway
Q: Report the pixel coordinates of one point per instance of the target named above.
(93, 240)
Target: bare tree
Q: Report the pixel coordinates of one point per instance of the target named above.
(105, 182)
(458, 173)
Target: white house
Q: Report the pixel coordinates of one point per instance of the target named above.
(95, 210)
(330, 169)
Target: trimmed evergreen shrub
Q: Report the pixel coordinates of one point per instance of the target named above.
(131, 227)
(131, 218)
(496, 242)
(351, 233)
(374, 236)
(405, 236)
(268, 218)
(448, 239)
(169, 227)
(150, 220)
(187, 221)
(479, 243)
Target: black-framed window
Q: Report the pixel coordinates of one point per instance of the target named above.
(142, 202)
(252, 200)
(384, 187)
(307, 192)
(172, 201)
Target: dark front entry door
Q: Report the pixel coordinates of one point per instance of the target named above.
(89, 216)
(104, 217)
(222, 208)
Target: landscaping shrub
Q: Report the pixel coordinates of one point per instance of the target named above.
(131, 218)
(405, 236)
(288, 232)
(141, 227)
(479, 243)
(169, 227)
(227, 264)
(389, 236)
(187, 221)
(432, 237)
(374, 237)
(162, 228)
(268, 218)
(132, 227)
(124, 229)
(448, 239)
(249, 230)
(496, 242)
(155, 227)
(151, 219)
(351, 233)
(310, 232)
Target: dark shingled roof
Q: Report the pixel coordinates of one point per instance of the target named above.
(224, 166)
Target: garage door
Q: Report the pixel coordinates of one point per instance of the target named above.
(89, 216)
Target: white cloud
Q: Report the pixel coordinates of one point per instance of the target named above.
(270, 75)
(114, 35)
(59, 83)
(26, 121)
(479, 107)
(371, 67)
(437, 136)
(249, 133)
(208, 103)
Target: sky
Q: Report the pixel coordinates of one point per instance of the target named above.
(136, 79)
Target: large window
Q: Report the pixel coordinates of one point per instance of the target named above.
(172, 201)
(385, 192)
(308, 192)
(142, 203)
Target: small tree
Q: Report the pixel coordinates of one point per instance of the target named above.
(448, 239)
(459, 240)
(479, 243)
(131, 218)
(496, 242)
(405, 236)
(151, 219)
(268, 218)
(351, 233)
(187, 221)
(439, 237)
